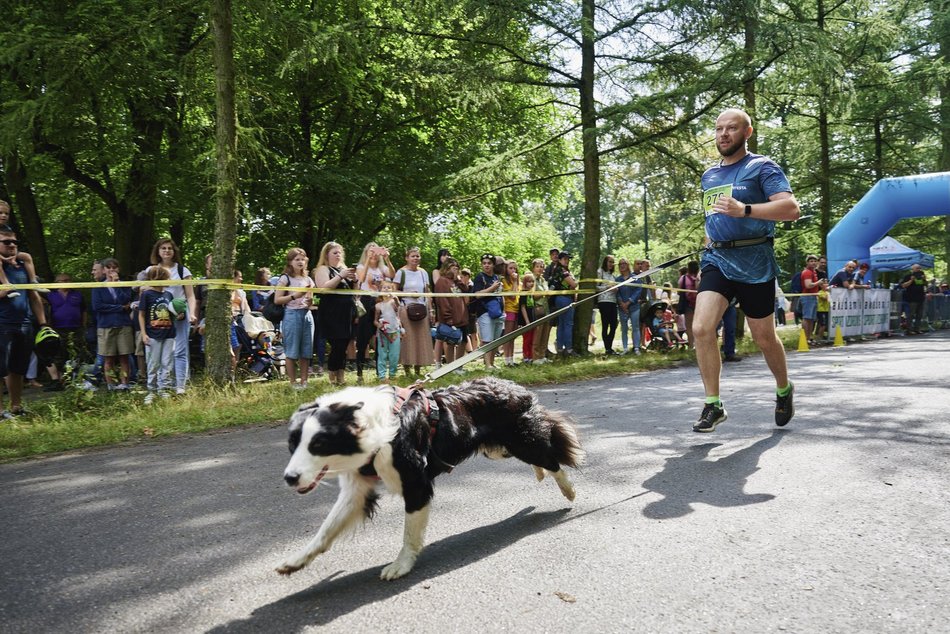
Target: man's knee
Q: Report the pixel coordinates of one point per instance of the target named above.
(704, 329)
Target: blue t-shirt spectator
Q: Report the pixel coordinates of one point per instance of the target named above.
(482, 282)
(15, 310)
(159, 323)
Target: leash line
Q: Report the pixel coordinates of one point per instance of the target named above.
(494, 343)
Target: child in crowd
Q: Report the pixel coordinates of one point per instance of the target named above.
(526, 304)
(22, 257)
(114, 326)
(297, 325)
(663, 325)
(158, 333)
(510, 283)
(388, 332)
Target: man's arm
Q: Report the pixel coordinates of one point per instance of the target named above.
(36, 305)
(780, 206)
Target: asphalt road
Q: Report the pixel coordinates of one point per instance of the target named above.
(838, 523)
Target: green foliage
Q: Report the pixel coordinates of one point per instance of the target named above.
(449, 122)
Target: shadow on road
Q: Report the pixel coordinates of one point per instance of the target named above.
(692, 478)
(337, 596)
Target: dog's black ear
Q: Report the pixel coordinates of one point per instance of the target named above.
(358, 405)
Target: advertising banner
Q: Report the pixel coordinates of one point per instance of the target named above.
(859, 311)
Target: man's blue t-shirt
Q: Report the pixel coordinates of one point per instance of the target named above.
(754, 179)
(15, 310)
(840, 278)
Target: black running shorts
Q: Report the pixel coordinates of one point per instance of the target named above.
(16, 345)
(756, 300)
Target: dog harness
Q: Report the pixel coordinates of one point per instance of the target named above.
(402, 395)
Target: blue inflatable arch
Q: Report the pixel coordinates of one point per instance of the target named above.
(890, 200)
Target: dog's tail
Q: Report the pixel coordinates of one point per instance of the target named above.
(564, 440)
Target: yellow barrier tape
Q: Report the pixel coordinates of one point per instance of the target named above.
(229, 285)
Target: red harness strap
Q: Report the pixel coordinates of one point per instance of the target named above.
(402, 396)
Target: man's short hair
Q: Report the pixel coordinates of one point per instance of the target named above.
(110, 263)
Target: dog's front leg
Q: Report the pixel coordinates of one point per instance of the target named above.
(413, 541)
(347, 511)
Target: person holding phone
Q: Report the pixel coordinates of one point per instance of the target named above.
(337, 313)
(373, 269)
(914, 284)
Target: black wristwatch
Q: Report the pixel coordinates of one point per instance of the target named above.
(748, 210)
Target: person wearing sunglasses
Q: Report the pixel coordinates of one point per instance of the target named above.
(16, 330)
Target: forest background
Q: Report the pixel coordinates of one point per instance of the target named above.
(507, 126)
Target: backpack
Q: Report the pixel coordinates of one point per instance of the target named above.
(272, 312)
(796, 285)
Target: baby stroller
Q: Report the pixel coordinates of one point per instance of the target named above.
(260, 357)
(656, 339)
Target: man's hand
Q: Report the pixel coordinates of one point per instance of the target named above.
(729, 206)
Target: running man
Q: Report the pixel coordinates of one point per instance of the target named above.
(743, 197)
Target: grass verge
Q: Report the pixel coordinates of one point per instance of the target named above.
(77, 419)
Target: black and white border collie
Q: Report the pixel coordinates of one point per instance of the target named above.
(356, 436)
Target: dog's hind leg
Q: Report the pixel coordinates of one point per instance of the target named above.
(413, 541)
(564, 484)
(563, 481)
(347, 512)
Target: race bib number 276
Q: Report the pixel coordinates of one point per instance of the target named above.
(711, 195)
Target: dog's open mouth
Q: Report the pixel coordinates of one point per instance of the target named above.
(310, 487)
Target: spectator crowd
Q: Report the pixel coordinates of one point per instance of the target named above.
(153, 333)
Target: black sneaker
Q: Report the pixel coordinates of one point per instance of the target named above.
(711, 416)
(784, 407)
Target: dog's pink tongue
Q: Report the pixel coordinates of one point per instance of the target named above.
(313, 485)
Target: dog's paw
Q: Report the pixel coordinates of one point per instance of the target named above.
(287, 570)
(397, 569)
(291, 566)
(565, 485)
(538, 473)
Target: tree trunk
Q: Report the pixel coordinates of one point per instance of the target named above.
(591, 255)
(878, 149)
(824, 177)
(134, 220)
(27, 215)
(217, 313)
(748, 83)
(310, 234)
(941, 27)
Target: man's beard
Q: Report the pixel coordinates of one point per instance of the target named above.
(732, 149)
